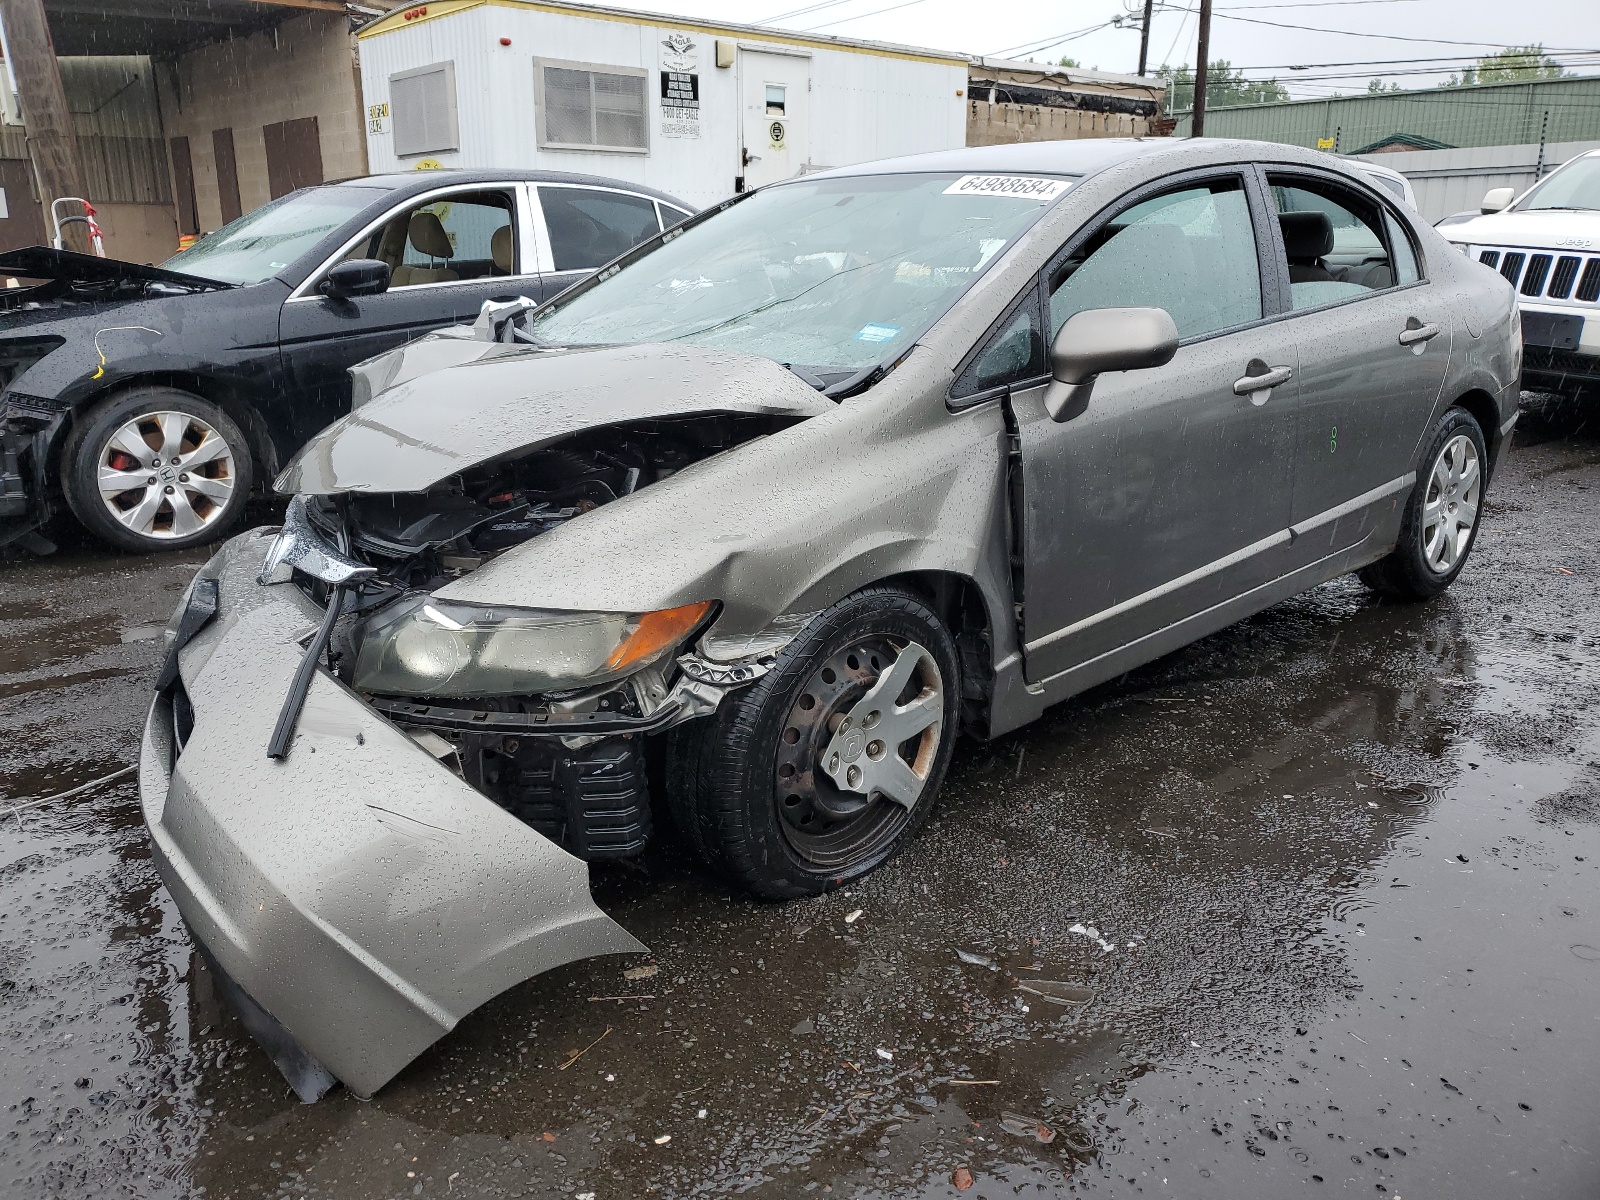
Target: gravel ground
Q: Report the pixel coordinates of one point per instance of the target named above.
(1325, 889)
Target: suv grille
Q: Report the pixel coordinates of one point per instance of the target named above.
(1548, 276)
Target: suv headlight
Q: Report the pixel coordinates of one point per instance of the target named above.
(421, 646)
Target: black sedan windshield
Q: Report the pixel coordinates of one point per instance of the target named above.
(826, 274)
(259, 244)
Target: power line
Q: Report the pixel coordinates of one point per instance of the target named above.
(861, 16)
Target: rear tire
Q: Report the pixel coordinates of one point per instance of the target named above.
(156, 469)
(1442, 516)
(789, 788)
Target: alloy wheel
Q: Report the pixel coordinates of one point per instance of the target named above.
(1450, 508)
(166, 475)
(856, 750)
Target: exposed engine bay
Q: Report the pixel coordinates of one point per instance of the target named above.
(567, 760)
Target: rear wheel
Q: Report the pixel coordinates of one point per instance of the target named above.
(156, 469)
(1441, 518)
(821, 770)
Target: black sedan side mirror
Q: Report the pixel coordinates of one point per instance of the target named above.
(1104, 339)
(356, 277)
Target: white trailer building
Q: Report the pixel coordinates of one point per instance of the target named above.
(697, 109)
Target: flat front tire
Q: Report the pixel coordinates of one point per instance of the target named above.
(1441, 518)
(823, 768)
(155, 469)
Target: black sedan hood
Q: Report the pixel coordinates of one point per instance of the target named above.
(90, 271)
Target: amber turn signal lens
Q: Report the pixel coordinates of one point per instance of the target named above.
(655, 631)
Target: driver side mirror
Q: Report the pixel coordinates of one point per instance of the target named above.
(1104, 339)
(356, 277)
(1497, 200)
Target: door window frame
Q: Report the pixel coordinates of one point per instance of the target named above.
(1032, 293)
(522, 250)
(1264, 223)
(546, 263)
(1333, 179)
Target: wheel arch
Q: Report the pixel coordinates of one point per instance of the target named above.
(1486, 412)
(227, 395)
(959, 603)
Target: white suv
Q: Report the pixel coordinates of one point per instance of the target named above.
(1547, 243)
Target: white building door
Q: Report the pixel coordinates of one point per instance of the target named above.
(776, 115)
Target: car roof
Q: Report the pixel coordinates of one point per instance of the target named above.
(1075, 156)
(425, 180)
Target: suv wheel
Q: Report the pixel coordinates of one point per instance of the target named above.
(824, 767)
(156, 469)
(1441, 518)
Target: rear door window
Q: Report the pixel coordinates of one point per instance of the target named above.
(589, 227)
(1334, 239)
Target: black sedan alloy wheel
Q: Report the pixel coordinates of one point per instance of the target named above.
(821, 770)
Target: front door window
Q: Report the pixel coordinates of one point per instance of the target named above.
(469, 235)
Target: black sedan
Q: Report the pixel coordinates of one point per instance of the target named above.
(151, 399)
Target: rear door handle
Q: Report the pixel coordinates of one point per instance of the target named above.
(1416, 335)
(1258, 386)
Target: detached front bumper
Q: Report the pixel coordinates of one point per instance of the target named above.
(361, 896)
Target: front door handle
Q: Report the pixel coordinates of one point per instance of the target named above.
(1259, 381)
(1415, 333)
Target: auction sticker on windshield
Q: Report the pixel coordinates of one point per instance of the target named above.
(1022, 187)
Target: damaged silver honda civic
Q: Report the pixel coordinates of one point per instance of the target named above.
(781, 502)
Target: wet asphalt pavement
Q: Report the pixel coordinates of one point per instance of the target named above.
(1330, 881)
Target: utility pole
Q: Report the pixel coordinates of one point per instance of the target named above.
(1144, 37)
(1197, 124)
(51, 141)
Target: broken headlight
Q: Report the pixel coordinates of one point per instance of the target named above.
(422, 646)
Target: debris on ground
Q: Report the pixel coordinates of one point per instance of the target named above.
(805, 1027)
(977, 960)
(1055, 991)
(961, 1179)
(647, 971)
(1077, 1138)
(580, 1053)
(663, 1139)
(1093, 934)
(886, 1055)
(974, 1082)
(852, 918)
(1019, 1125)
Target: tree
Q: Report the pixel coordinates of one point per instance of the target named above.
(1225, 87)
(1514, 64)
(1069, 62)
(1374, 86)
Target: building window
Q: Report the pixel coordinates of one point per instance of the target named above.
(587, 107)
(422, 105)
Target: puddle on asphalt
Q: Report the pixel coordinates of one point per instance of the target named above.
(1301, 837)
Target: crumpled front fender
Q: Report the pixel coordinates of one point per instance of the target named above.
(359, 892)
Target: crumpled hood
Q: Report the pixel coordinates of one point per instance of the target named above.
(1543, 230)
(494, 400)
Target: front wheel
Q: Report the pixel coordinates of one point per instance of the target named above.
(818, 772)
(1441, 518)
(156, 469)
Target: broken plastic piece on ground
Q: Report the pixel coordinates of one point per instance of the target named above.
(977, 960)
(1055, 991)
(1089, 931)
(886, 1055)
(645, 972)
(1024, 1126)
(663, 1139)
(852, 918)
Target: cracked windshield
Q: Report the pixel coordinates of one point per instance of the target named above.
(832, 275)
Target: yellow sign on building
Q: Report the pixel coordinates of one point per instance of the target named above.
(1325, 143)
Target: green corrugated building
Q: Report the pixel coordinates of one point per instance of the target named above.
(1498, 114)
